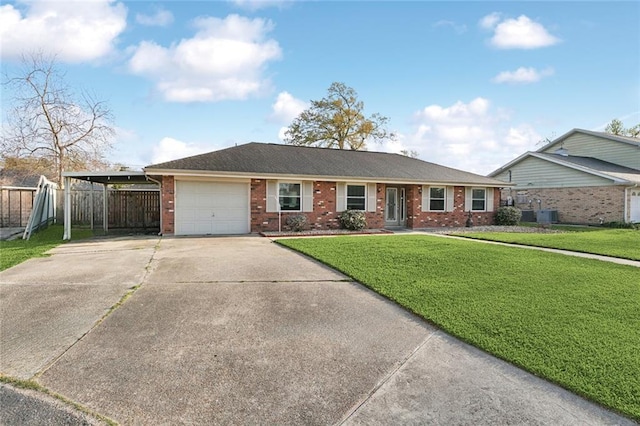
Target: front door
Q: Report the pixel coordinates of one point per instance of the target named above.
(634, 206)
(394, 207)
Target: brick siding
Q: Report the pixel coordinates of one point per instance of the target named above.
(324, 215)
(167, 205)
(458, 217)
(585, 205)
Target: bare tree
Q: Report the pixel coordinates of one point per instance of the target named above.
(337, 121)
(48, 120)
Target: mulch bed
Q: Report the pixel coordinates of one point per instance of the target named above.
(321, 232)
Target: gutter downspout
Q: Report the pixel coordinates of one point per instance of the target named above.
(627, 213)
(160, 206)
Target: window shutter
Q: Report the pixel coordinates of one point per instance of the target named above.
(372, 197)
(450, 196)
(489, 192)
(341, 196)
(425, 198)
(307, 196)
(272, 196)
(467, 199)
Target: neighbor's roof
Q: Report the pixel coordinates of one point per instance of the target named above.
(260, 159)
(597, 166)
(619, 174)
(618, 138)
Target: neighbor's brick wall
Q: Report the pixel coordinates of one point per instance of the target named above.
(585, 205)
(167, 205)
(458, 217)
(324, 215)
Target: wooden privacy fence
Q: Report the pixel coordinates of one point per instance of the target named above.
(127, 209)
(15, 205)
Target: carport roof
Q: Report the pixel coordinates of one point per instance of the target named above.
(114, 177)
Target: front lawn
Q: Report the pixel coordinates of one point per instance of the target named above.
(571, 320)
(17, 251)
(624, 243)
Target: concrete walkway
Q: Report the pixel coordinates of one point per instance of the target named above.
(240, 330)
(617, 260)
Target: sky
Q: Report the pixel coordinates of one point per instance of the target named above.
(470, 85)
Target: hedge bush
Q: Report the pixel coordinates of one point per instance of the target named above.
(297, 222)
(509, 216)
(353, 220)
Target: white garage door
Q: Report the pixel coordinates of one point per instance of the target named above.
(211, 208)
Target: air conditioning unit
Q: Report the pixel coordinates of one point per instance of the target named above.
(547, 216)
(528, 216)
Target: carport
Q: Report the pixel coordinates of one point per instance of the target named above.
(105, 179)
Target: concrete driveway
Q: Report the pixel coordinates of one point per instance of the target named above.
(239, 330)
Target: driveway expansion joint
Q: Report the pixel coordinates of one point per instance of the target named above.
(386, 378)
(125, 296)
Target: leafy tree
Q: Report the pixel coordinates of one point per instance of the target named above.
(617, 128)
(48, 121)
(337, 121)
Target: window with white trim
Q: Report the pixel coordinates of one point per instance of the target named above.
(478, 199)
(290, 196)
(356, 197)
(437, 198)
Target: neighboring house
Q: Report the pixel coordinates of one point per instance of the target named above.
(255, 187)
(588, 177)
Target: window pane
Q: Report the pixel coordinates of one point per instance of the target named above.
(477, 205)
(289, 203)
(355, 203)
(290, 189)
(436, 205)
(355, 190)
(289, 196)
(437, 193)
(477, 194)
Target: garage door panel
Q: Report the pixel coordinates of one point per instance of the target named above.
(212, 208)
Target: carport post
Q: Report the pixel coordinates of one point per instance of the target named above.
(105, 208)
(67, 208)
(91, 206)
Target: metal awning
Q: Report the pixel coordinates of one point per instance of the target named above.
(108, 178)
(104, 178)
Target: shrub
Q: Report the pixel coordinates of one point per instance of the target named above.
(509, 216)
(297, 222)
(622, 225)
(354, 220)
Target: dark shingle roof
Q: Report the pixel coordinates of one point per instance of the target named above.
(282, 160)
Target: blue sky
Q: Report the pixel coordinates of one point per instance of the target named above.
(469, 85)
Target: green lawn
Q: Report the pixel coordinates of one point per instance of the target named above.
(623, 243)
(571, 320)
(17, 251)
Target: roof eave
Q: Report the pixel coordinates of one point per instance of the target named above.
(386, 180)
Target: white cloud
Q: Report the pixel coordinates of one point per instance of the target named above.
(286, 108)
(73, 31)
(471, 136)
(161, 18)
(254, 5)
(520, 33)
(171, 149)
(522, 75)
(458, 28)
(490, 21)
(225, 59)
